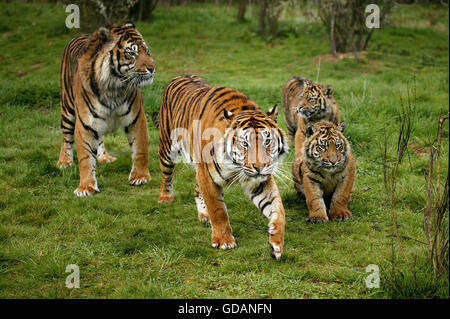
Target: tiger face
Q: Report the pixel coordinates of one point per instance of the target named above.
(315, 100)
(326, 147)
(255, 144)
(127, 60)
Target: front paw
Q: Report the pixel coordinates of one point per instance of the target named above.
(275, 251)
(165, 198)
(317, 218)
(276, 237)
(340, 213)
(86, 190)
(106, 158)
(224, 241)
(137, 178)
(64, 163)
(203, 217)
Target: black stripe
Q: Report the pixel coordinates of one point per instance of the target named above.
(88, 128)
(167, 165)
(314, 180)
(258, 191)
(133, 122)
(131, 104)
(91, 150)
(216, 166)
(93, 82)
(265, 205)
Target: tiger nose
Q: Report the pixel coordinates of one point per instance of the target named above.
(150, 69)
(258, 167)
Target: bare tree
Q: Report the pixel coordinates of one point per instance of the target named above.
(345, 22)
(143, 10)
(95, 13)
(268, 17)
(241, 10)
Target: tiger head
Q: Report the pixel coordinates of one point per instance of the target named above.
(326, 146)
(315, 100)
(254, 143)
(125, 58)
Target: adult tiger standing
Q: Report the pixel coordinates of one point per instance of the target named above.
(218, 131)
(101, 74)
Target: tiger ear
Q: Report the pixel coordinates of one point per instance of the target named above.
(310, 130)
(273, 112)
(328, 91)
(103, 35)
(130, 24)
(227, 116)
(304, 82)
(341, 127)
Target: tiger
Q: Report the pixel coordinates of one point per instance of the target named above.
(306, 102)
(326, 172)
(232, 128)
(101, 75)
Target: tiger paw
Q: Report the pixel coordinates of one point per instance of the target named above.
(276, 238)
(203, 217)
(64, 163)
(275, 251)
(316, 219)
(225, 241)
(86, 190)
(340, 214)
(106, 158)
(137, 179)
(165, 198)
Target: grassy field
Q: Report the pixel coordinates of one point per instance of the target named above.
(128, 246)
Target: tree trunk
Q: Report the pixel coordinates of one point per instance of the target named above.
(143, 10)
(332, 39)
(241, 10)
(262, 18)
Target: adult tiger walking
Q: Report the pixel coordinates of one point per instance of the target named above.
(226, 138)
(101, 74)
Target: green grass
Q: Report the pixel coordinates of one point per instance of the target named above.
(128, 246)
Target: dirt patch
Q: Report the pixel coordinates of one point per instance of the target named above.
(328, 57)
(21, 74)
(419, 150)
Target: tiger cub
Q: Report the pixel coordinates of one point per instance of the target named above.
(226, 138)
(101, 76)
(305, 102)
(326, 170)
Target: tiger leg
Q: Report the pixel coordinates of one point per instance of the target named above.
(221, 236)
(297, 176)
(266, 197)
(102, 154)
(166, 166)
(138, 139)
(339, 202)
(314, 201)
(201, 206)
(87, 145)
(67, 129)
